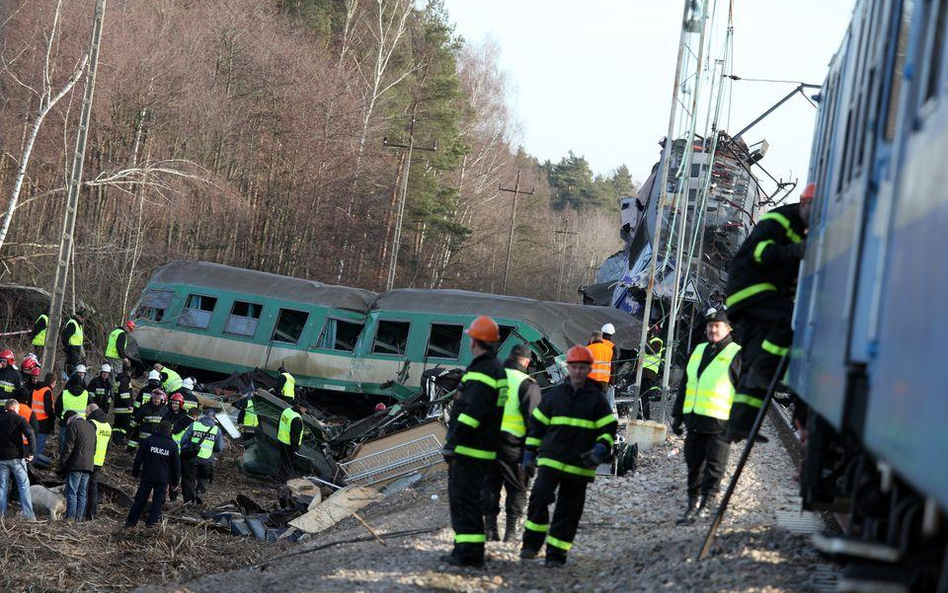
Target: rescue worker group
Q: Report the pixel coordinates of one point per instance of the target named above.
(504, 433)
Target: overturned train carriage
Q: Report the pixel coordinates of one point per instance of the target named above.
(220, 319)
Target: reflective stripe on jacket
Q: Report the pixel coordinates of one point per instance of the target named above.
(602, 361)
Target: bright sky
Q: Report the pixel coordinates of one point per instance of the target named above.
(595, 76)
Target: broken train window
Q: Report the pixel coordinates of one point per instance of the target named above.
(197, 311)
(289, 326)
(243, 319)
(391, 337)
(339, 334)
(444, 341)
(153, 304)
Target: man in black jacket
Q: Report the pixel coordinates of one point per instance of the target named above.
(761, 288)
(523, 395)
(77, 463)
(158, 465)
(14, 456)
(9, 377)
(571, 433)
(100, 388)
(703, 404)
(72, 338)
(471, 443)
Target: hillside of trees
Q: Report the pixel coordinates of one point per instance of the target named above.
(250, 132)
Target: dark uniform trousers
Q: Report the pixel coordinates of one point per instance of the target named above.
(73, 357)
(505, 473)
(764, 333)
(157, 492)
(194, 479)
(706, 455)
(465, 489)
(569, 494)
(121, 427)
(649, 384)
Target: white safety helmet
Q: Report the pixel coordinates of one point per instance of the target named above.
(80, 368)
(188, 383)
(106, 368)
(609, 329)
(154, 375)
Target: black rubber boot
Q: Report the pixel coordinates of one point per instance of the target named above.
(490, 528)
(689, 515)
(706, 506)
(528, 553)
(510, 534)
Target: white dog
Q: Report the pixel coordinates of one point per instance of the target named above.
(49, 501)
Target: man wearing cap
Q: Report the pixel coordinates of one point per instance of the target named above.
(100, 388)
(523, 395)
(761, 287)
(472, 440)
(703, 405)
(571, 433)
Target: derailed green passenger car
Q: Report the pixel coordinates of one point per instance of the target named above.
(222, 319)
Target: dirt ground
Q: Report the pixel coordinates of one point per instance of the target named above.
(628, 541)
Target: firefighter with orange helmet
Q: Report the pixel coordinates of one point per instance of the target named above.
(571, 433)
(472, 440)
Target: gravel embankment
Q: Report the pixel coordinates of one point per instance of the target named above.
(628, 542)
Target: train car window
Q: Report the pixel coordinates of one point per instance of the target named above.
(289, 326)
(901, 49)
(153, 304)
(505, 331)
(198, 311)
(444, 341)
(243, 319)
(391, 337)
(937, 48)
(339, 334)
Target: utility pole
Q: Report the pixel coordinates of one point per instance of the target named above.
(400, 215)
(67, 240)
(559, 277)
(513, 221)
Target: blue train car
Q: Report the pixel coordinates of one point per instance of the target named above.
(871, 302)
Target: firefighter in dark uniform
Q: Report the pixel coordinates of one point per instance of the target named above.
(761, 288)
(703, 405)
(472, 441)
(123, 403)
(523, 395)
(100, 388)
(571, 433)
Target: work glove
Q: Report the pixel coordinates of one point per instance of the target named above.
(593, 457)
(448, 454)
(528, 466)
(678, 425)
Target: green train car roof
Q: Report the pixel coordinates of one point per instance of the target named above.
(565, 324)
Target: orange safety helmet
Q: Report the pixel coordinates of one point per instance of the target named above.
(808, 193)
(484, 329)
(580, 354)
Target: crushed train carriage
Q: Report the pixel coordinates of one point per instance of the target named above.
(222, 319)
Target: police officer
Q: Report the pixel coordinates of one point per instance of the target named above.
(123, 403)
(158, 465)
(523, 395)
(171, 381)
(201, 441)
(73, 338)
(285, 386)
(571, 433)
(651, 367)
(290, 436)
(101, 388)
(115, 347)
(472, 441)
(761, 287)
(703, 405)
(247, 417)
(103, 434)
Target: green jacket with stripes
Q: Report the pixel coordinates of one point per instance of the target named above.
(474, 429)
(567, 423)
(766, 264)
